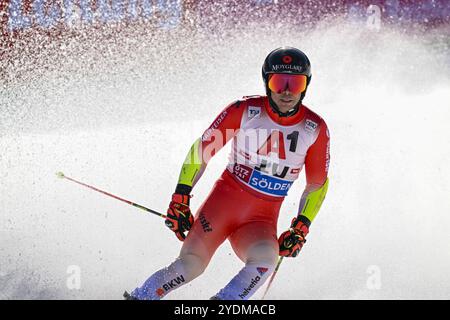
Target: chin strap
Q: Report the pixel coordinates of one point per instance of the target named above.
(290, 113)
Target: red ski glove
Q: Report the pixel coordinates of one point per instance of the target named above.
(292, 241)
(179, 218)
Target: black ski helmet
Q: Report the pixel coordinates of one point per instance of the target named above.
(286, 60)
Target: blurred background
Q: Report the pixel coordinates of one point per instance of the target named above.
(114, 93)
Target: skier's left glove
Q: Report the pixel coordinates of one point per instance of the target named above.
(292, 241)
(179, 218)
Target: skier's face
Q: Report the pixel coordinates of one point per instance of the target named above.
(285, 100)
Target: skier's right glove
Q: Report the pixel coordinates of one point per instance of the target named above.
(179, 218)
(292, 241)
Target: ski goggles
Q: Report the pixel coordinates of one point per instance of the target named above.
(280, 82)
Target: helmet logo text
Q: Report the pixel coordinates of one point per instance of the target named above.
(278, 67)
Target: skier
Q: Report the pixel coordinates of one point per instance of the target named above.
(273, 137)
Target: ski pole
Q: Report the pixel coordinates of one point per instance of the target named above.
(63, 176)
(273, 276)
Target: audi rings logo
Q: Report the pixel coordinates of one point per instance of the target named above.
(287, 59)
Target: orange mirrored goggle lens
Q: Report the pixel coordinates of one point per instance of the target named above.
(280, 82)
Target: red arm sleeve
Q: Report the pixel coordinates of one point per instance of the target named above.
(224, 127)
(318, 158)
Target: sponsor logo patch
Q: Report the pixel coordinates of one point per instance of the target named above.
(214, 126)
(310, 125)
(242, 172)
(262, 270)
(254, 112)
(268, 184)
(247, 290)
(170, 285)
(262, 182)
(205, 223)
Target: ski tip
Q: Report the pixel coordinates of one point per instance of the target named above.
(59, 174)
